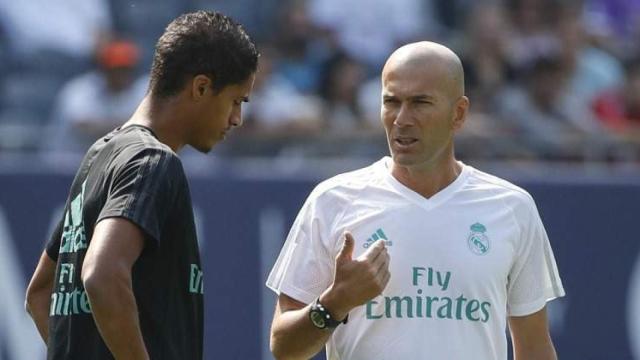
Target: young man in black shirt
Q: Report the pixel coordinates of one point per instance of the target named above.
(121, 275)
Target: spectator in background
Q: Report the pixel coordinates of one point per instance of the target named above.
(278, 117)
(278, 108)
(531, 33)
(302, 49)
(553, 113)
(46, 42)
(485, 62)
(537, 114)
(369, 29)
(70, 27)
(487, 72)
(615, 24)
(589, 70)
(342, 79)
(369, 100)
(94, 103)
(619, 109)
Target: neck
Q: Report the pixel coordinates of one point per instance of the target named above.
(163, 117)
(427, 180)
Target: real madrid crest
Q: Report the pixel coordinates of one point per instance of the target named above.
(478, 240)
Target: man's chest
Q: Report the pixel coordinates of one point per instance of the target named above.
(458, 249)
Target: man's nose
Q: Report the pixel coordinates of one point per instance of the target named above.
(403, 118)
(236, 117)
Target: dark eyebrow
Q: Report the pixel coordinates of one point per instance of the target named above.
(423, 97)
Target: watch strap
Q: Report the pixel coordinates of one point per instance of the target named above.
(322, 319)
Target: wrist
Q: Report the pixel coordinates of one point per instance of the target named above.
(333, 302)
(322, 319)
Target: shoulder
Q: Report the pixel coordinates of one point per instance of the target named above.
(345, 187)
(493, 187)
(136, 138)
(137, 147)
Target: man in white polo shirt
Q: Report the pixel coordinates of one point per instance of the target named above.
(417, 256)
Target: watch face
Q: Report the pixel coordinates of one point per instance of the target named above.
(317, 319)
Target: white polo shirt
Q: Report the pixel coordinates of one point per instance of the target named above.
(461, 262)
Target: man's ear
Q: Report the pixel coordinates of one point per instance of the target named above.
(460, 112)
(201, 85)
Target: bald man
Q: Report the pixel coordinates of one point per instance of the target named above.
(417, 256)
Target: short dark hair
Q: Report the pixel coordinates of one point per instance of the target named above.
(202, 42)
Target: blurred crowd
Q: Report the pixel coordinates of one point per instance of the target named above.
(552, 80)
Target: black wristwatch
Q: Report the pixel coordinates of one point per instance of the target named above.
(321, 318)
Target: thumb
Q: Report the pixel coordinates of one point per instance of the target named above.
(347, 247)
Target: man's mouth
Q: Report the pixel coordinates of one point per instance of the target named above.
(405, 141)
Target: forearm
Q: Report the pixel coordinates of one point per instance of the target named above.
(293, 336)
(115, 312)
(37, 306)
(38, 296)
(542, 352)
(530, 337)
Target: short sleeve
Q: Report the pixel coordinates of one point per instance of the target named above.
(143, 190)
(534, 278)
(305, 266)
(53, 245)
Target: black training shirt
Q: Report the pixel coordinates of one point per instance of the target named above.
(130, 174)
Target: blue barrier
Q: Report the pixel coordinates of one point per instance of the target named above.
(593, 228)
